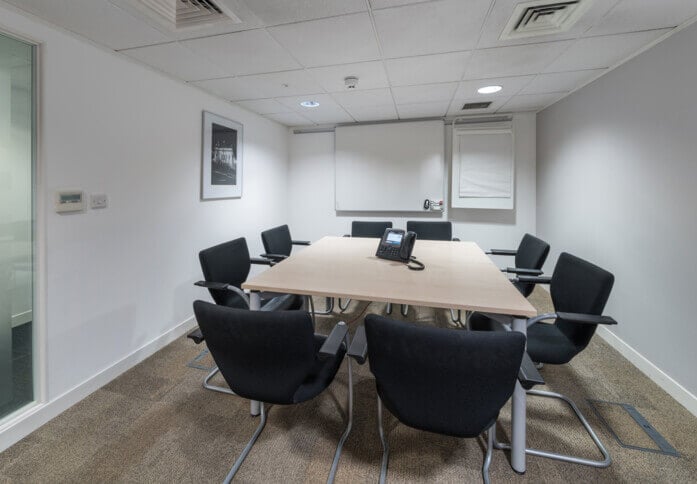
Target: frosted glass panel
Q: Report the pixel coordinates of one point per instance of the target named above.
(16, 217)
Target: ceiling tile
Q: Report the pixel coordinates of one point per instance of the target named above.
(423, 110)
(263, 86)
(330, 41)
(176, 60)
(240, 53)
(503, 10)
(426, 93)
(378, 4)
(605, 51)
(371, 75)
(510, 85)
(515, 60)
(426, 69)
(290, 119)
(373, 112)
(232, 88)
(264, 106)
(455, 108)
(430, 28)
(560, 81)
(98, 20)
(274, 12)
(373, 97)
(637, 15)
(530, 102)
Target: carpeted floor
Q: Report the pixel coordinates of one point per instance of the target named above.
(156, 423)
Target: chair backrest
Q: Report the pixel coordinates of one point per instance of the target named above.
(277, 240)
(532, 254)
(263, 355)
(431, 230)
(452, 382)
(229, 263)
(369, 229)
(578, 286)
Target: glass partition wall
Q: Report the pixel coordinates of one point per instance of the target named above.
(17, 132)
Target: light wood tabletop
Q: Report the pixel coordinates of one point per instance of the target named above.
(458, 275)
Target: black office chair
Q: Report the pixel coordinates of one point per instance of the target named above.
(225, 267)
(428, 231)
(579, 293)
(446, 381)
(274, 357)
(278, 244)
(529, 259)
(431, 230)
(373, 230)
(368, 229)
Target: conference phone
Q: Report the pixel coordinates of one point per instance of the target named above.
(397, 245)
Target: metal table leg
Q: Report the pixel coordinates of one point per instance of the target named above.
(254, 305)
(518, 414)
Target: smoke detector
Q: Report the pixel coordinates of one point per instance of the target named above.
(543, 17)
(351, 82)
(180, 14)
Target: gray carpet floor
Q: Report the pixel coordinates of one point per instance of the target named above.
(155, 423)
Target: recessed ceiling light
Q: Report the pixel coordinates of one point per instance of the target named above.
(309, 104)
(489, 89)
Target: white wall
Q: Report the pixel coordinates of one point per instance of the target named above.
(311, 196)
(616, 185)
(120, 278)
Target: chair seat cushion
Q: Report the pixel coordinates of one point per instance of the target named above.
(321, 375)
(547, 344)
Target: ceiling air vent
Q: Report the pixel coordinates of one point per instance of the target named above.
(180, 14)
(543, 17)
(482, 105)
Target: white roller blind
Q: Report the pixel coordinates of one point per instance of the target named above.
(486, 164)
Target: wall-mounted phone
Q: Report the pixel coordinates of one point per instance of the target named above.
(397, 244)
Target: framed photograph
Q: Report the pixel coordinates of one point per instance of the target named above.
(221, 171)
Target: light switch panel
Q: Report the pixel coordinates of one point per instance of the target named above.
(98, 201)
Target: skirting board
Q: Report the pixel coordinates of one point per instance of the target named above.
(37, 415)
(658, 376)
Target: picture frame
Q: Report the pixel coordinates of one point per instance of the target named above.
(221, 158)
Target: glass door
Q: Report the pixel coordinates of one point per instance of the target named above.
(17, 134)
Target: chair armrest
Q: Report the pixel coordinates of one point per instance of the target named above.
(261, 261)
(528, 376)
(523, 272)
(534, 279)
(586, 318)
(300, 242)
(502, 252)
(222, 286)
(456, 239)
(274, 257)
(359, 346)
(331, 345)
(196, 335)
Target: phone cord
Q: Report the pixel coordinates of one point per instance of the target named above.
(419, 265)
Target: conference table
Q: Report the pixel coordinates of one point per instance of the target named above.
(458, 275)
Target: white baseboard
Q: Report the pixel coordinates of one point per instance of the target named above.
(19, 426)
(658, 376)
(22, 318)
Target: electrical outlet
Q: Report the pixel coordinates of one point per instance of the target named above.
(98, 201)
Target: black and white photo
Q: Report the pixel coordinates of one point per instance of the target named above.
(222, 158)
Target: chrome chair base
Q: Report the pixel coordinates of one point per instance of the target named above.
(215, 388)
(262, 424)
(563, 457)
(491, 436)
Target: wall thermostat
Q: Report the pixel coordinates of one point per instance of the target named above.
(70, 201)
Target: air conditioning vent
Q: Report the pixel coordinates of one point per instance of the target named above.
(180, 14)
(543, 17)
(482, 105)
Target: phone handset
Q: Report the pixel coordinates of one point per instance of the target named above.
(407, 246)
